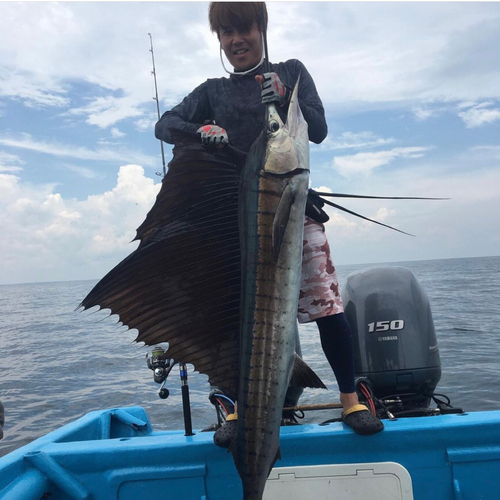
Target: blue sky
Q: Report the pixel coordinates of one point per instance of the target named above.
(412, 99)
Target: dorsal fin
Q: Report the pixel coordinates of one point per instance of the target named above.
(182, 284)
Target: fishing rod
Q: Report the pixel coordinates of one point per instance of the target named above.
(157, 105)
(165, 370)
(161, 367)
(186, 405)
(267, 64)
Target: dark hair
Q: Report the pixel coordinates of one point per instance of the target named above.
(240, 15)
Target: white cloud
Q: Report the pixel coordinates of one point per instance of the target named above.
(25, 141)
(45, 235)
(10, 162)
(384, 213)
(494, 149)
(480, 114)
(105, 142)
(116, 133)
(466, 104)
(338, 221)
(422, 114)
(106, 111)
(8, 184)
(84, 172)
(349, 165)
(323, 189)
(91, 46)
(462, 226)
(146, 124)
(389, 52)
(363, 52)
(9, 169)
(352, 140)
(472, 113)
(43, 92)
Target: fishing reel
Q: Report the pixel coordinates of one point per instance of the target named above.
(161, 367)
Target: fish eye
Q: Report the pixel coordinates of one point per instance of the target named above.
(274, 126)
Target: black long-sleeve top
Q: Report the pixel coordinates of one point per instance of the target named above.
(235, 104)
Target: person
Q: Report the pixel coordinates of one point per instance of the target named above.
(223, 110)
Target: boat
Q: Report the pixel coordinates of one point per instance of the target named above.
(426, 451)
(116, 454)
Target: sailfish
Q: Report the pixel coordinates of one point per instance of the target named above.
(217, 276)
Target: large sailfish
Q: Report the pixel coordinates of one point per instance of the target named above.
(217, 275)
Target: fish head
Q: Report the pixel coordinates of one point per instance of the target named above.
(287, 148)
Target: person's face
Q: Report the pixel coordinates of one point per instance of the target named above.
(243, 49)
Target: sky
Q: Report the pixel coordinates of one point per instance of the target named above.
(412, 99)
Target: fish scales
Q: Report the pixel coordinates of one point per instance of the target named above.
(273, 346)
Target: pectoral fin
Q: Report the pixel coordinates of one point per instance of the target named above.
(304, 376)
(276, 458)
(281, 219)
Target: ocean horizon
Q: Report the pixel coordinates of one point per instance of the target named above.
(363, 264)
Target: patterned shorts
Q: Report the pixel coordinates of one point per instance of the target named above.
(319, 288)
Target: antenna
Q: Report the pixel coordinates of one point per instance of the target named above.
(157, 104)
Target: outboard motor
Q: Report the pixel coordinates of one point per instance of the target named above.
(395, 346)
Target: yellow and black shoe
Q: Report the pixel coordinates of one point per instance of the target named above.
(362, 421)
(226, 433)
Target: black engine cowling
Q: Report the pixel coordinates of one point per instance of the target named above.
(395, 344)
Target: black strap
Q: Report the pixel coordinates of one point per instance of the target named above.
(314, 208)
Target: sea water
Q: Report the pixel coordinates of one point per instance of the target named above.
(57, 364)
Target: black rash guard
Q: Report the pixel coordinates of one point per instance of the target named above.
(235, 104)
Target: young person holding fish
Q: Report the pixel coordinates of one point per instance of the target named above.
(231, 110)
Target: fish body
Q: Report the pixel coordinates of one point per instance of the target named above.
(273, 195)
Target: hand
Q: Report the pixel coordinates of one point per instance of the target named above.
(273, 89)
(213, 135)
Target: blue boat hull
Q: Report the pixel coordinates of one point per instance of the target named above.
(115, 454)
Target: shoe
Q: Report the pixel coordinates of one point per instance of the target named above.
(226, 433)
(362, 421)
(210, 428)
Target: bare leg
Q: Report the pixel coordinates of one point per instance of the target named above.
(349, 400)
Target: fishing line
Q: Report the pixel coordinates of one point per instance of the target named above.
(241, 73)
(264, 38)
(265, 55)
